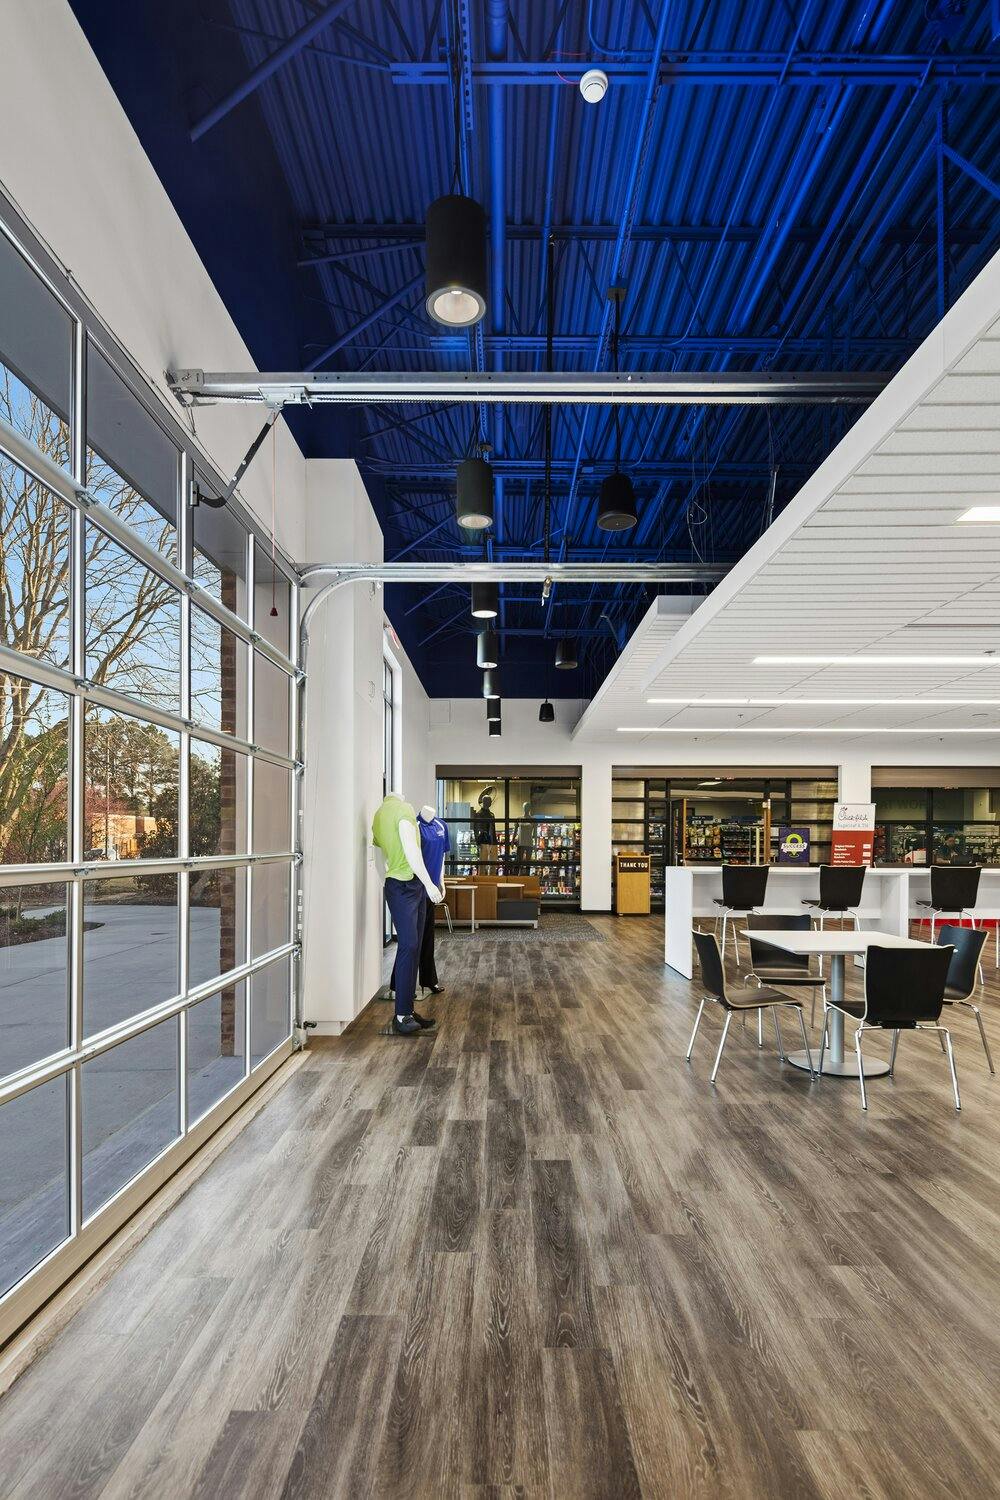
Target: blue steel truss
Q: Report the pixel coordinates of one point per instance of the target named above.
(796, 187)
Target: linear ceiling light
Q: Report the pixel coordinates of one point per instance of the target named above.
(988, 515)
(931, 729)
(983, 659)
(456, 261)
(790, 702)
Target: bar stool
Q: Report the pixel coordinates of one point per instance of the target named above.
(839, 895)
(954, 892)
(743, 890)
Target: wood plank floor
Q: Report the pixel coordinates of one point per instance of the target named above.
(541, 1256)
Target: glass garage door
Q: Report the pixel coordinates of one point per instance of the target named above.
(147, 791)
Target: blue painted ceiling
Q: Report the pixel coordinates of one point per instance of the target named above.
(772, 201)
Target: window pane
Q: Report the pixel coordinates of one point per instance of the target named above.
(220, 555)
(270, 1009)
(34, 1178)
(216, 1048)
(272, 590)
(130, 947)
(218, 800)
(131, 788)
(133, 625)
(218, 676)
(34, 1013)
(34, 559)
(270, 705)
(218, 924)
(272, 816)
(270, 907)
(34, 743)
(36, 357)
(132, 466)
(130, 1110)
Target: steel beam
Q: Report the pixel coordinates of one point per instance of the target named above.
(569, 388)
(269, 67)
(733, 70)
(366, 322)
(405, 235)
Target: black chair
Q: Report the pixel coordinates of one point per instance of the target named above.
(968, 944)
(904, 991)
(771, 965)
(742, 999)
(954, 892)
(840, 889)
(743, 889)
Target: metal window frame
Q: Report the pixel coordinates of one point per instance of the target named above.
(84, 509)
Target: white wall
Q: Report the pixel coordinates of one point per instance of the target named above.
(458, 737)
(413, 753)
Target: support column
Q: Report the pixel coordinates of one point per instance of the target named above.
(595, 843)
(854, 780)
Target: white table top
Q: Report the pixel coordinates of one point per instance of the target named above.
(831, 942)
(695, 867)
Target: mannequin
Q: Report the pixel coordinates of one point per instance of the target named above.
(434, 845)
(408, 889)
(484, 831)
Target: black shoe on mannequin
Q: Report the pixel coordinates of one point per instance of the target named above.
(406, 1026)
(426, 1023)
(432, 989)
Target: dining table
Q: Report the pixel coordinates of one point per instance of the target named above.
(838, 947)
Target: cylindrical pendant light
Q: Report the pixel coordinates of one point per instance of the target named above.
(566, 655)
(474, 494)
(487, 648)
(485, 601)
(546, 713)
(456, 261)
(494, 728)
(491, 682)
(493, 710)
(616, 508)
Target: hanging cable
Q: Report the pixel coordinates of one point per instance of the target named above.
(550, 318)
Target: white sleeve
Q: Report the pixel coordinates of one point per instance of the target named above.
(411, 848)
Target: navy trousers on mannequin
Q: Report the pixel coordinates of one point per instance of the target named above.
(406, 900)
(427, 970)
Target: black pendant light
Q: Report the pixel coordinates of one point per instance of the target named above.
(487, 648)
(566, 655)
(546, 713)
(494, 728)
(456, 261)
(485, 601)
(616, 508)
(491, 682)
(493, 710)
(474, 494)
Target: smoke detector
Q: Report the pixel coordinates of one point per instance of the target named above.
(594, 85)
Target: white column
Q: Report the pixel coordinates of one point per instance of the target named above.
(854, 780)
(595, 842)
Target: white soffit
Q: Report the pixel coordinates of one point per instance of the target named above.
(867, 558)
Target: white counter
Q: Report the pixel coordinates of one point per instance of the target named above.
(689, 891)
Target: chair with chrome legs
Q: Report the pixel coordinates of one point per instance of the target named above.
(968, 944)
(743, 890)
(741, 999)
(904, 991)
(954, 892)
(770, 965)
(839, 895)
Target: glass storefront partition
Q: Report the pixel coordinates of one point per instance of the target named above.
(515, 823)
(936, 816)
